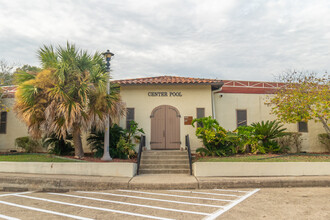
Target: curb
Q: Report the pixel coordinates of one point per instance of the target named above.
(264, 182)
(56, 183)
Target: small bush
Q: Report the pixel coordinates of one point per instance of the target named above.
(247, 140)
(325, 140)
(96, 141)
(28, 144)
(58, 146)
(128, 140)
(291, 142)
(257, 138)
(126, 148)
(214, 138)
(122, 141)
(267, 132)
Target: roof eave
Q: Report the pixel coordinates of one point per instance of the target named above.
(142, 84)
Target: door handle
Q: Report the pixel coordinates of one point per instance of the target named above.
(164, 133)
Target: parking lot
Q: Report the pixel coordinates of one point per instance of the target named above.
(281, 203)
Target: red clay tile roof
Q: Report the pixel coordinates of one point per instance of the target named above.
(168, 80)
(8, 91)
(229, 86)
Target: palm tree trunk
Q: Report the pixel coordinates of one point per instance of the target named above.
(78, 150)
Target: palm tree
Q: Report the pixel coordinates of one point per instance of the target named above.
(68, 96)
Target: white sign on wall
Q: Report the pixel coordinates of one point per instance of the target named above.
(165, 94)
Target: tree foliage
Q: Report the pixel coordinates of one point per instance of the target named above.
(2, 105)
(303, 97)
(68, 96)
(6, 73)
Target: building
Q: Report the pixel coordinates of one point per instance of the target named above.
(164, 107)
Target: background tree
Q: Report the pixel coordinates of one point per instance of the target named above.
(2, 105)
(28, 68)
(6, 73)
(303, 97)
(67, 96)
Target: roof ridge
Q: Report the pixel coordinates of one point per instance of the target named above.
(164, 76)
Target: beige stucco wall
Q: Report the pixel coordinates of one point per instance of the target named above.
(193, 96)
(225, 108)
(15, 129)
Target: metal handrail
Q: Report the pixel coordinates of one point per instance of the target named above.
(142, 144)
(189, 153)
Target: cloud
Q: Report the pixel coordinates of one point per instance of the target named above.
(250, 40)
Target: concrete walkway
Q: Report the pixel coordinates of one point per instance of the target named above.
(25, 182)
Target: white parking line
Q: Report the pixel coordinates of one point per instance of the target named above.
(178, 196)
(161, 200)
(8, 218)
(231, 205)
(96, 208)
(132, 204)
(13, 194)
(216, 194)
(43, 210)
(229, 190)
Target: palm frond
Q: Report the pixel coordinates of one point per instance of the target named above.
(48, 57)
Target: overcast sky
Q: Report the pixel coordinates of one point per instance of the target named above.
(224, 39)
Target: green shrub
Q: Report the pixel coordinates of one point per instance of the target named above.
(58, 146)
(126, 148)
(267, 132)
(122, 141)
(325, 139)
(95, 141)
(28, 144)
(248, 141)
(213, 137)
(131, 136)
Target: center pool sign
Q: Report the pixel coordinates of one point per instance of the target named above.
(165, 94)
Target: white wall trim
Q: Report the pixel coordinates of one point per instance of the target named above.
(204, 169)
(86, 169)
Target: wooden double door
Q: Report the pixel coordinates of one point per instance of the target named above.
(165, 128)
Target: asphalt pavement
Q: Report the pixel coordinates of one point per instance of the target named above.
(233, 203)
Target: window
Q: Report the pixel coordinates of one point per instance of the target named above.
(302, 126)
(241, 118)
(200, 114)
(129, 117)
(3, 122)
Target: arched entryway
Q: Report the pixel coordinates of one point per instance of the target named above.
(165, 128)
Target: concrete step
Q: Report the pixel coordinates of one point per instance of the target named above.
(164, 157)
(164, 166)
(164, 171)
(167, 161)
(164, 152)
(164, 162)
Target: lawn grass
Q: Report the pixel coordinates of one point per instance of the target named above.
(35, 158)
(269, 158)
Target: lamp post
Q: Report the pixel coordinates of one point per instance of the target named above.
(106, 154)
